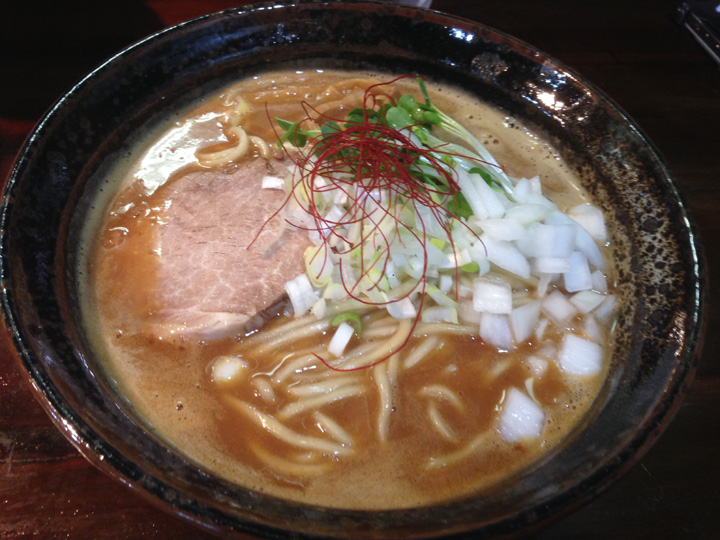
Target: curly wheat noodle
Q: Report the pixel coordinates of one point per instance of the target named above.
(282, 432)
(263, 148)
(294, 366)
(442, 393)
(287, 467)
(334, 429)
(226, 155)
(312, 403)
(379, 350)
(423, 329)
(459, 455)
(385, 390)
(264, 388)
(422, 351)
(439, 423)
(292, 335)
(315, 388)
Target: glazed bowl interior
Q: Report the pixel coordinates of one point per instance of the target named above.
(59, 175)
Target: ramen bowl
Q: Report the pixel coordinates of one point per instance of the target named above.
(59, 174)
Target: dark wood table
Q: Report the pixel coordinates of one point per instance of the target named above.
(632, 50)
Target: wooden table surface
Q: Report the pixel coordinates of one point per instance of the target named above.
(633, 50)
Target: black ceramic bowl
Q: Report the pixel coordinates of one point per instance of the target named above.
(54, 180)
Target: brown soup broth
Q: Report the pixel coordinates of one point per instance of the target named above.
(168, 383)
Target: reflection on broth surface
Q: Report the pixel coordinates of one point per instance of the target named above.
(463, 344)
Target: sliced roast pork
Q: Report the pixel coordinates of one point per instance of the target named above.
(211, 282)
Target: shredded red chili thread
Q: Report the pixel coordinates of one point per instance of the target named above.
(372, 164)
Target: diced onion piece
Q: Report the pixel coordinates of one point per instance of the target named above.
(319, 308)
(537, 365)
(521, 417)
(558, 308)
(521, 190)
(492, 296)
(551, 265)
(577, 277)
(585, 243)
(606, 308)
(586, 301)
(592, 329)
(470, 192)
(340, 339)
(301, 294)
(227, 368)
(579, 356)
(495, 330)
(551, 240)
(541, 327)
(591, 219)
(272, 182)
(503, 229)
(504, 255)
(526, 214)
(599, 282)
(524, 319)
(544, 283)
(402, 309)
(445, 284)
(491, 198)
(535, 186)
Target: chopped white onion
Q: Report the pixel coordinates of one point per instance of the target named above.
(524, 319)
(301, 294)
(585, 243)
(402, 309)
(599, 282)
(503, 229)
(577, 277)
(592, 329)
(495, 330)
(503, 254)
(541, 327)
(491, 296)
(551, 265)
(525, 214)
(586, 301)
(591, 219)
(544, 283)
(340, 339)
(521, 190)
(537, 365)
(319, 308)
(579, 356)
(445, 283)
(558, 308)
(551, 240)
(521, 417)
(491, 199)
(606, 308)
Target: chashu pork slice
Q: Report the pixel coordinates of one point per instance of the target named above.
(210, 281)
